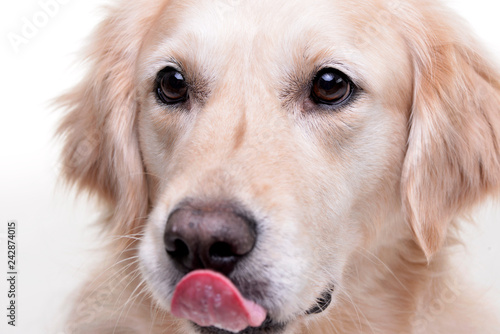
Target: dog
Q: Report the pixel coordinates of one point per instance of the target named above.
(282, 166)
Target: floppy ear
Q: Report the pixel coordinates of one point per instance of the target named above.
(453, 155)
(101, 152)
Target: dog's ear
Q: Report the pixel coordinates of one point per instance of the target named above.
(101, 152)
(453, 155)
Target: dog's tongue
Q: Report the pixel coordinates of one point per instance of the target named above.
(210, 299)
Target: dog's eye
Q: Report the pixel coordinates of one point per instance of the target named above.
(331, 87)
(171, 87)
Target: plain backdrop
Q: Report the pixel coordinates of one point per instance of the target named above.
(56, 239)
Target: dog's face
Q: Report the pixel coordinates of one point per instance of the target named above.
(287, 118)
(292, 121)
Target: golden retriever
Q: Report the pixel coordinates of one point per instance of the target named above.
(283, 166)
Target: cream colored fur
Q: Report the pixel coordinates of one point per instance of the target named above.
(366, 198)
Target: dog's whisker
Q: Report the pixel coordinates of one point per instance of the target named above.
(128, 237)
(359, 313)
(355, 307)
(389, 270)
(117, 273)
(132, 296)
(131, 248)
(155, 311)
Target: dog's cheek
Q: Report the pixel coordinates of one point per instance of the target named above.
(361, 186)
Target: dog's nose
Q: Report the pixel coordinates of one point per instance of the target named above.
(209, 237)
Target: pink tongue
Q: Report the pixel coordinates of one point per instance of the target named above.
(210, 299)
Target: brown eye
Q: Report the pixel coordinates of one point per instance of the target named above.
(171, 87)
(331, 87)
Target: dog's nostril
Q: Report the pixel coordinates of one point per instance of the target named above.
(177, 248)
(221, 250)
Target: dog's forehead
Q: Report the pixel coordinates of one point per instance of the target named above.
(237, 17)
(274, 38)
(287, 28)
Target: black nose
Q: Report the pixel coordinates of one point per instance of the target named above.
(209, 237)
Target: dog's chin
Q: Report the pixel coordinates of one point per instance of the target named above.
(268, 327)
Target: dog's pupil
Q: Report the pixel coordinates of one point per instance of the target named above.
(331, 87)
(174, 85)
(177, 81)
(332, 83)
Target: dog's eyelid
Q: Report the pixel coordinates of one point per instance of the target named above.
(355, 77)
(167, 63)
(152, 75)
(172, 62)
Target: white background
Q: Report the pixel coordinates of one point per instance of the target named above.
(56, 239)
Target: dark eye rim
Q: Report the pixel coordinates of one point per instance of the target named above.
(160, 94)
(353, 88)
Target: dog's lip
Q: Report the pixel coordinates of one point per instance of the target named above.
(322, 302)
(269, 326)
